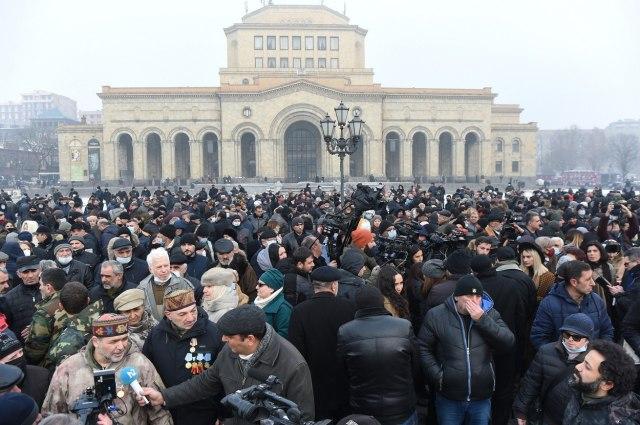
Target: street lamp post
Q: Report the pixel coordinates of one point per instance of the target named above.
(341, 146)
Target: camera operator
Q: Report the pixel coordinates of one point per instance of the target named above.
(109, 348)
(250, 344)
(533, 223)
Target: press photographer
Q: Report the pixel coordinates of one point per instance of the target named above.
(251, 344)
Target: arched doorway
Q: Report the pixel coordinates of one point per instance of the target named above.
(445, 154)
(93, 166)
(154, 157)
(392, 155)
(182, 156)
(356, 160)
(210, 155)
(248, 155)
(472, 157)
(125, 157)
(419, 155)
(302, 146)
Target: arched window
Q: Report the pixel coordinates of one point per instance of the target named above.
(515, 146)
(499, 145)
(248, 155)
(392, 155)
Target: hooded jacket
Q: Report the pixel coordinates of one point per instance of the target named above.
(351, 264)
(456, 352)
(556, 306)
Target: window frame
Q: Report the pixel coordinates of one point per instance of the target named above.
(286, 61)
(515, 166)
(255, 42)
(272, 60)
(337, 62)
(495, 167)
(324, 60)
(295, 38)
(307, 39)
(293, 63)
(274, 40)
(337, 39)
(308, 61)
(283, 37)
(324, 46)
(255, 62)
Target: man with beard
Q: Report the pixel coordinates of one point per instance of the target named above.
(160, 280)
(131, 304)
(74, 269)
(112, 284)
(196, 264)
(603, 383)
(228, 259)
(36, 378)
(109, 348)
(5, 280)
(185, 344)
(293, 239)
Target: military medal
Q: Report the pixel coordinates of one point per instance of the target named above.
(193, 343)
(188, 358)
(120, 394)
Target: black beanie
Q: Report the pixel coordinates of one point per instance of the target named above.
(481, 264)
(369, 297)
(458, 262)
(468, 285)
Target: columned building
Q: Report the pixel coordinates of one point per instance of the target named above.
(287, 66)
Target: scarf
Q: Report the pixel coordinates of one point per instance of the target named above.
(263, 302)
(247, 363)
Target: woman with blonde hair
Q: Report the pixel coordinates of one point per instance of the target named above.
(574, 237)
(532, 263)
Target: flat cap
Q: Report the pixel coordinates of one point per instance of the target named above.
(25, 237)
(9, 376)
(30, 262)
(129, 299)
(268, 233)
(20, 408)
(3, 256)
(247, 319)
(121, 243)
(223, 246)
(325, 274)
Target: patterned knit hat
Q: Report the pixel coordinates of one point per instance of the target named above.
(109, 325)
(177, 300)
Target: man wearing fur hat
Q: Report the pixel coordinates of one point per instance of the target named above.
(109, 348)
(184, 344)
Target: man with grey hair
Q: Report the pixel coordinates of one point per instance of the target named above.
(159, 281)
(112, 284)
(5, 281)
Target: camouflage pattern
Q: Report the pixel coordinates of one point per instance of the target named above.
(46, 325)
(75, 374)
(138, 334)
(77, 329)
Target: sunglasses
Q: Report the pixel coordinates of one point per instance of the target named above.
(576, 338)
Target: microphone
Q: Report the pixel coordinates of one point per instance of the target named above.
(129, 376)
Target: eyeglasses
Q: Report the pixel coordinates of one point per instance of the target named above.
(576, 338)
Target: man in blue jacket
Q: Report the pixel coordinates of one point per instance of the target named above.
(573, 295)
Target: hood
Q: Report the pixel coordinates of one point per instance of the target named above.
(487, 303)
(352, 261)
(228, 299)
(263, 260)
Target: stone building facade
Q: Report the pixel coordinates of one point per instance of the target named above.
(287, 66)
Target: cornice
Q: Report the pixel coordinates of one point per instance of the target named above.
(80, 128)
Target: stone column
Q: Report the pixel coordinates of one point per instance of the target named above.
(168, 159)
(434, 157)
(196, 159)
(458, 158)
(406, 160)
(138, 160)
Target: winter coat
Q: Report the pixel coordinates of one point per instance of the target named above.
(278, 357)
(350, 281)
(313, 330)
(110, 232)
(170, 352)
(556, 306)
(456, 352)
(107, 295)
(78, 272)
(550, 366)
(278, 313)
(35, 383)
(631, 326)
(623, 410)
(176, 282)
(19, 305)
(378, 354)
(197, 265)
(440, 292)
(291, 241)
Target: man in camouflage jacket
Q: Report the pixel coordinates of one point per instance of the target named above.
(48, 318)
(75, 374)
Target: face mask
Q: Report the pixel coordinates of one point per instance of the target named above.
(27, 252)
(131, 230)
(123, 260)
(581, 213)
(202, 239)
(177, 273)
(556, 251)
(574, 350)
(158, 280)
(64, 260)
(392, 234)
(236, 223)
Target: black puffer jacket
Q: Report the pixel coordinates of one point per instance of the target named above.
(457, 357)
(18, 305)
(550, 368)
(609, 410)
(168, 351)
(78, 272)
(378, 353)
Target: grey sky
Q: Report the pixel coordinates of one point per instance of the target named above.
(565, 62)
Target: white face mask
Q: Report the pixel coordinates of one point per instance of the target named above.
(236, 223)
(556, 251)
(392, 234)
(27, 252)
(574, 350)
(131, 230)
(64, 260)
(123, 260)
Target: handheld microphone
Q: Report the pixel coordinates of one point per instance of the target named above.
(129, 376)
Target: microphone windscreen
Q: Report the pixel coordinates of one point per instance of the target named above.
(128, 375)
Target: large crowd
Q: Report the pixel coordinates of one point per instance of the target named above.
(483, 306)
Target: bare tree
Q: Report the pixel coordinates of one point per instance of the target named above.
(623, 148)
(594, 150)
(42, 141)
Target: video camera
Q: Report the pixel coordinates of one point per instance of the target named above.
(97, 399)
(259, 404)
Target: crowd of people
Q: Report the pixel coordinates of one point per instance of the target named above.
(474, 307)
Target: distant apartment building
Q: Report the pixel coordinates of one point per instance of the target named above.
(33, 105)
